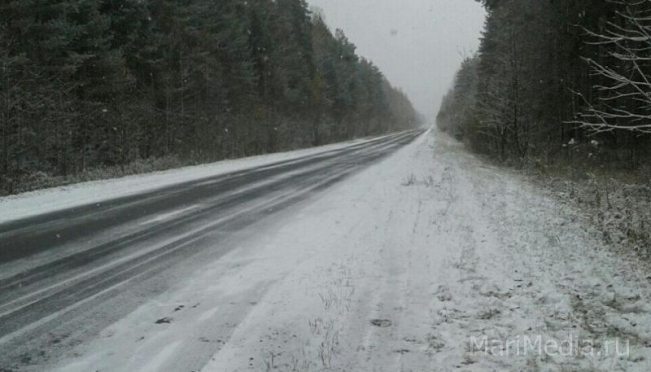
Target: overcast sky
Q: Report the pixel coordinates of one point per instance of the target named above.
(418, 44)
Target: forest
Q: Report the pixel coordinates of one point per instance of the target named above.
(95, 88)
(557, 82)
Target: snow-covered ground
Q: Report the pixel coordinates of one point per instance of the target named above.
(428, 261)
(43, 201)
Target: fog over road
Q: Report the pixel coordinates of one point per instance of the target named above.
(418, 44)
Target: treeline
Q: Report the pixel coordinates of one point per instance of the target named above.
(552, 78)
(104, 83)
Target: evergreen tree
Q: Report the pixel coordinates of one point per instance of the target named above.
(103, 83)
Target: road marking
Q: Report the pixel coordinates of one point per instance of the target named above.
(170, 215)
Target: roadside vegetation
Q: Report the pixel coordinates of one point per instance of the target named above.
(562, 90)
(94, 89)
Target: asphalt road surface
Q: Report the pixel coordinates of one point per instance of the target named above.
(64, 276)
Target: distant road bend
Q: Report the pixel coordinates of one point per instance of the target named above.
(66, 275)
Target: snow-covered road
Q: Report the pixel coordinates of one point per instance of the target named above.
(427, 261)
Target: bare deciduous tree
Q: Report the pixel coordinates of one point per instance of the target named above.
(623, 93)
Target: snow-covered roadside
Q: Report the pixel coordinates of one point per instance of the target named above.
(406, 266)
(546, 276)
(48, 200)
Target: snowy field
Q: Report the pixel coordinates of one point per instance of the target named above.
(427, 261)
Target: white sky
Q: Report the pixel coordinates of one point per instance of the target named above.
(432, 38)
